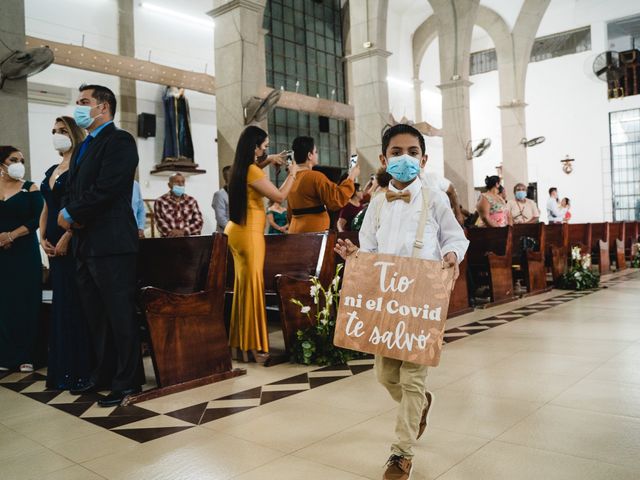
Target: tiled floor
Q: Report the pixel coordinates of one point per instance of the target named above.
(547, 387)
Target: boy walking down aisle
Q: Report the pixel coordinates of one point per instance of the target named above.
(391, 226)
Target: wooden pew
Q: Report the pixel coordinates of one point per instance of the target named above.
(600, 246)
(579, 236)
(289, 261)
(557, 249)
(178, 265)
(616, 244)
(459, 302)
(530, 261)
(490, 254)
(631, 238)
(186, 326)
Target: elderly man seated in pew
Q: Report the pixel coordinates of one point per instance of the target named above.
(523, 209)
(176, 213)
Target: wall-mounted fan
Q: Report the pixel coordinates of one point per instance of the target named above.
(479, 149)
(20, 64)
(533, 142)
(257, 109)
(606, 66)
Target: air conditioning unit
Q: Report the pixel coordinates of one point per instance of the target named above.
(48, 94)
(620, 44)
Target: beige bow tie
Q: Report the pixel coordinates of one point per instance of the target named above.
(393, 196)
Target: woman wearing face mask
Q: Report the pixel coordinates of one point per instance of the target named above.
(523, 209)
(492, 208)
(21, 294)
(247, 188)
(68, 365)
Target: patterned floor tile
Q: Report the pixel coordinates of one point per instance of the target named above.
(143, 425)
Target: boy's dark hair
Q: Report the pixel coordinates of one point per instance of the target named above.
(552, 189)
(302, 146)
(566, 200)
(102, 95)
(399, 129)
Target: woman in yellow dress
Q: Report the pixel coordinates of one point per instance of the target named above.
(248, 185)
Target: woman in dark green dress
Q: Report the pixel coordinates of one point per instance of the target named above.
(21, 292)
(277, 218)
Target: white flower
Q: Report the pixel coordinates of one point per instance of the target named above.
(324, 321)
(305, 309)
(575, 253)
(313, 291)
(578, 275)
(329, 299)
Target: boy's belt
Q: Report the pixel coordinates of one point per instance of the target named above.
(297, 212)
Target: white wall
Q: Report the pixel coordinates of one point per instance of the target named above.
(566, 104)
(164, 39)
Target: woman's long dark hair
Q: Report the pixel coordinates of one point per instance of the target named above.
(250, 138)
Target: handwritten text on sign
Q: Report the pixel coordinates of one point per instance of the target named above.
(394, 306)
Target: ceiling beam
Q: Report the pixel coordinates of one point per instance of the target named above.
(128, 67)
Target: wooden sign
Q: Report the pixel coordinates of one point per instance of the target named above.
(394, 306)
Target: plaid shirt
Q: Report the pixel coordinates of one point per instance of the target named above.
(173, 212)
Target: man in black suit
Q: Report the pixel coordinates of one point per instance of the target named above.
(105, 243)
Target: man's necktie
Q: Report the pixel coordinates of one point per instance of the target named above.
(393, 196)
(83, 147)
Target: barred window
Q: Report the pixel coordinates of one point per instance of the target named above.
(544, 48)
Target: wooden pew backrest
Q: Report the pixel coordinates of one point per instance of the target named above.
(557, 248)
(484, 240)
(600, 245)
(298, 255)
(178, 265)
(580, 236)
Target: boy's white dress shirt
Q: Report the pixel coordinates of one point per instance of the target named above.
(394, 232)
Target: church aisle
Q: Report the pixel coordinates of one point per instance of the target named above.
(547, 388)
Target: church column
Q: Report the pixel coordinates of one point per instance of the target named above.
(417, 98)
(368, 74)
(513, 74)
(456, 128)
(14, 121)
(371, 105)
(239, 68)
(514, 153)
(455, 21)
(127, 107)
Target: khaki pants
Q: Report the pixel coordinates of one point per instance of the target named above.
(406, 382)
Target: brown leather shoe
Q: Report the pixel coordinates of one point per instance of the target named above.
(398, 468)
(425, 413)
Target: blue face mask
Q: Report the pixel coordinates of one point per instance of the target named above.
(178, 190)
(82, 116)
(403, 168)
(520, 195)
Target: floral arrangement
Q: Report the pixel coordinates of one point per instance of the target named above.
(314, 345)
(635, 261)
(580, 276)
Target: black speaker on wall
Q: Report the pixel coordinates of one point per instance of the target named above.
(146, 125)
(323, 123)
